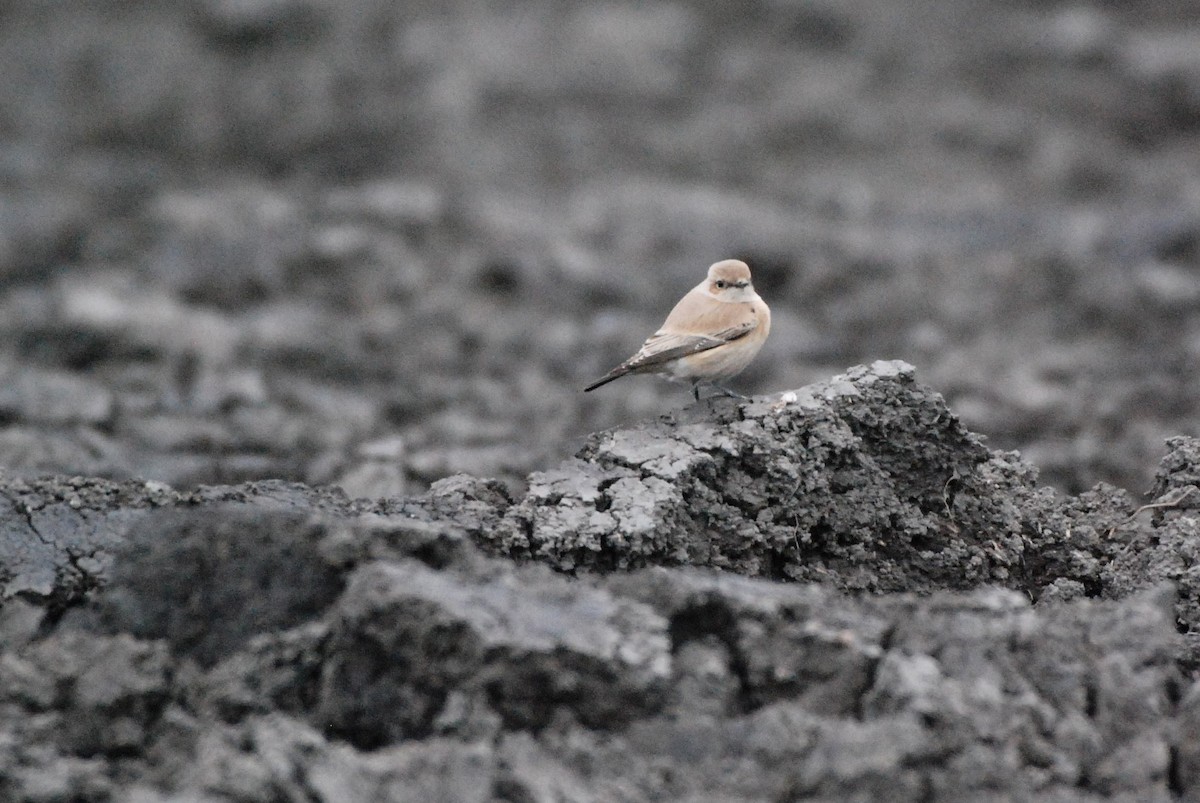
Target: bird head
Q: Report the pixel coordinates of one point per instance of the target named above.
(729, 280)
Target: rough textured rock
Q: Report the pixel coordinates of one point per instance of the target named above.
(1166, 548)
(58, 532)
(751, 689)
(408, 637)
(270, 639)
(867, 481)
(221, 576)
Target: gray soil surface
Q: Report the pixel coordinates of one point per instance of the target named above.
(298, 500)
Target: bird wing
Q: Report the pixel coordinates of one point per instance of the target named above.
(664, 346)
(698, 323)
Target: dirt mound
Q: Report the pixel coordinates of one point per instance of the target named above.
(273, 640)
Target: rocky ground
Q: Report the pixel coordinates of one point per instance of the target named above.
(299, 498)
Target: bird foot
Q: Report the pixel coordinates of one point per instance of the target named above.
(718, 391)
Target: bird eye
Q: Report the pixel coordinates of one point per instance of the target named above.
(720, 284)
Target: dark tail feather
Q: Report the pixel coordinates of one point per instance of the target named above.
(615, 373)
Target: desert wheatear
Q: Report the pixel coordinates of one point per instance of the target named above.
(712, 333)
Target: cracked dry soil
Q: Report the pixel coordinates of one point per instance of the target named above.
(577, 642)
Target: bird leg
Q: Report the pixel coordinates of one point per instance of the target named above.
(720, 390)
(724, 391)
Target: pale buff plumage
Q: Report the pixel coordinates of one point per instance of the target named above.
(711, 335)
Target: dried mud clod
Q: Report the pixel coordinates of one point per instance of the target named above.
(271, 639)
(867, 482)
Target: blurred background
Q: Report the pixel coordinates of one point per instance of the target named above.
(376, 243)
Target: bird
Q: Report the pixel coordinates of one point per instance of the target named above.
(712, 334)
